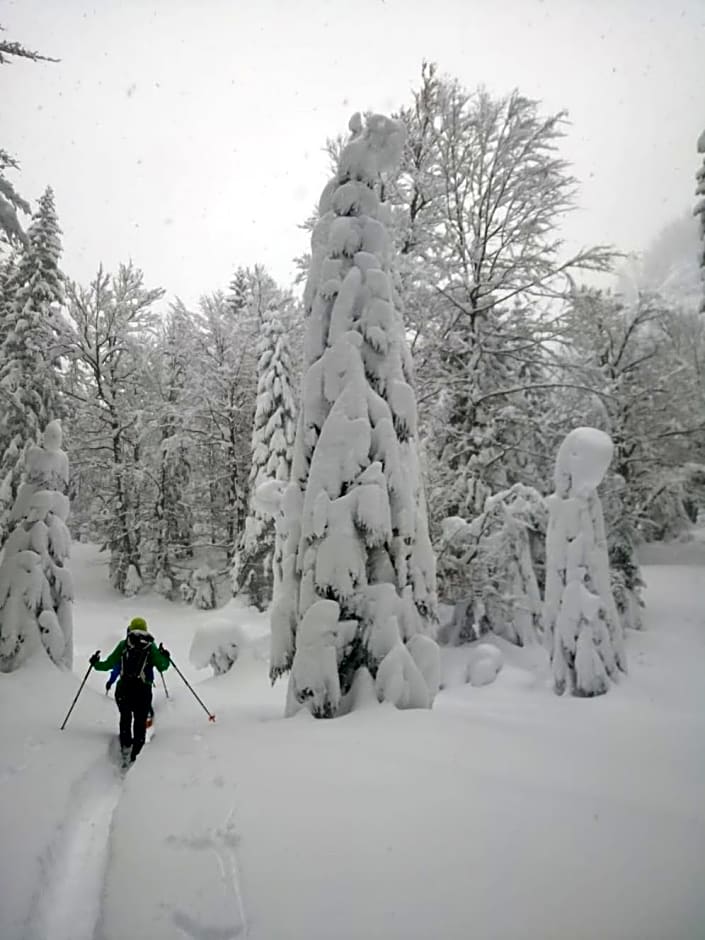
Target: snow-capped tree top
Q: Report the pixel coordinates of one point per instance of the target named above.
(375, 147)
(355, 123)
(39, 270)
(582, 461)
(51, 439)
(701, 143)
(48, 464)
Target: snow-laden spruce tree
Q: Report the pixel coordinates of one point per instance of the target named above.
(30, 384)
(258, 561)
(36, 592)
(700, 204)
(583, 628)
(496, 556)
(359, 573)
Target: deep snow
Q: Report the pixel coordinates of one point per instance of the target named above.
(504, 812)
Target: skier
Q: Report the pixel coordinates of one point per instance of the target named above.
(137, 655)
(112, 679)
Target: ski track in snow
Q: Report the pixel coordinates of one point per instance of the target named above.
(68, 903)
(222, 841)
(229, 868)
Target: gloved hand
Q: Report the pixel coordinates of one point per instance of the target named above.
(95, 658)
(165, 652)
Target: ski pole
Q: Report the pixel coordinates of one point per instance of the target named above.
(80, 689)
(166, 691)
(188, 685)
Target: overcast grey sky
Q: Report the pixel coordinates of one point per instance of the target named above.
(188, 135)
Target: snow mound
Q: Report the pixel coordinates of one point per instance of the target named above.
(219, 641)
(400, 681)
(362, 693)
(485, 665)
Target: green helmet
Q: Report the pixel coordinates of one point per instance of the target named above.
(137, 623)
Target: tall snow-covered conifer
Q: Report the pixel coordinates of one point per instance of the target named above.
(29, 375)
(258, 562)
(583, 628)
(359, 571)
(36, 592)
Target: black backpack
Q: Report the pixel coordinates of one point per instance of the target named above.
(136, 655)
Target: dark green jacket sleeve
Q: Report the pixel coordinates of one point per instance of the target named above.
(103, 665)
(159, 661)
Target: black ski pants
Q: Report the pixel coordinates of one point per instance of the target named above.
(134, 699)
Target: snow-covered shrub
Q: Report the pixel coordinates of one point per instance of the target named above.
(36, 591)
(215, 645)
(223, 658)
(359, 573)
(673, 506)
(187, 591)
(625, 578)
(583, 629)
(133, 581)
(621, 513)
(487, 568)
(164, 585)
(203, 582)
(220, 641)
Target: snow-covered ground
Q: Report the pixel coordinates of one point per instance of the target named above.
(505, 812)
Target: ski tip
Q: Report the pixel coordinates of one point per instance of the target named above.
(211, 718)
